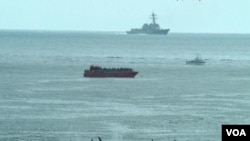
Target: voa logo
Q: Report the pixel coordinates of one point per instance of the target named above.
(236, 132)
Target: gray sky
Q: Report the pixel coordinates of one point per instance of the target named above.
(206, 16)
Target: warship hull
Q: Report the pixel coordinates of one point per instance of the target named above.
(139, 31)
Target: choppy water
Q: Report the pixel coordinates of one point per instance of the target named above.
(43, 95)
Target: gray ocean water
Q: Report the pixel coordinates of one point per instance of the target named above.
(44, 97)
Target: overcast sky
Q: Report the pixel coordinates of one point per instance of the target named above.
(206, 16)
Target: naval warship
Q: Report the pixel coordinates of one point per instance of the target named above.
(152, 28)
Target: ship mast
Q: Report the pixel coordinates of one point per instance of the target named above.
(153, 18)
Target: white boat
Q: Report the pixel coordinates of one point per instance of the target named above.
(196, 61)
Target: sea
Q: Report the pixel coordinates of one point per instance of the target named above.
(44, 96)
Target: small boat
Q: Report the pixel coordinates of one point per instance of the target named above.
(196, 61)
(97, 71)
